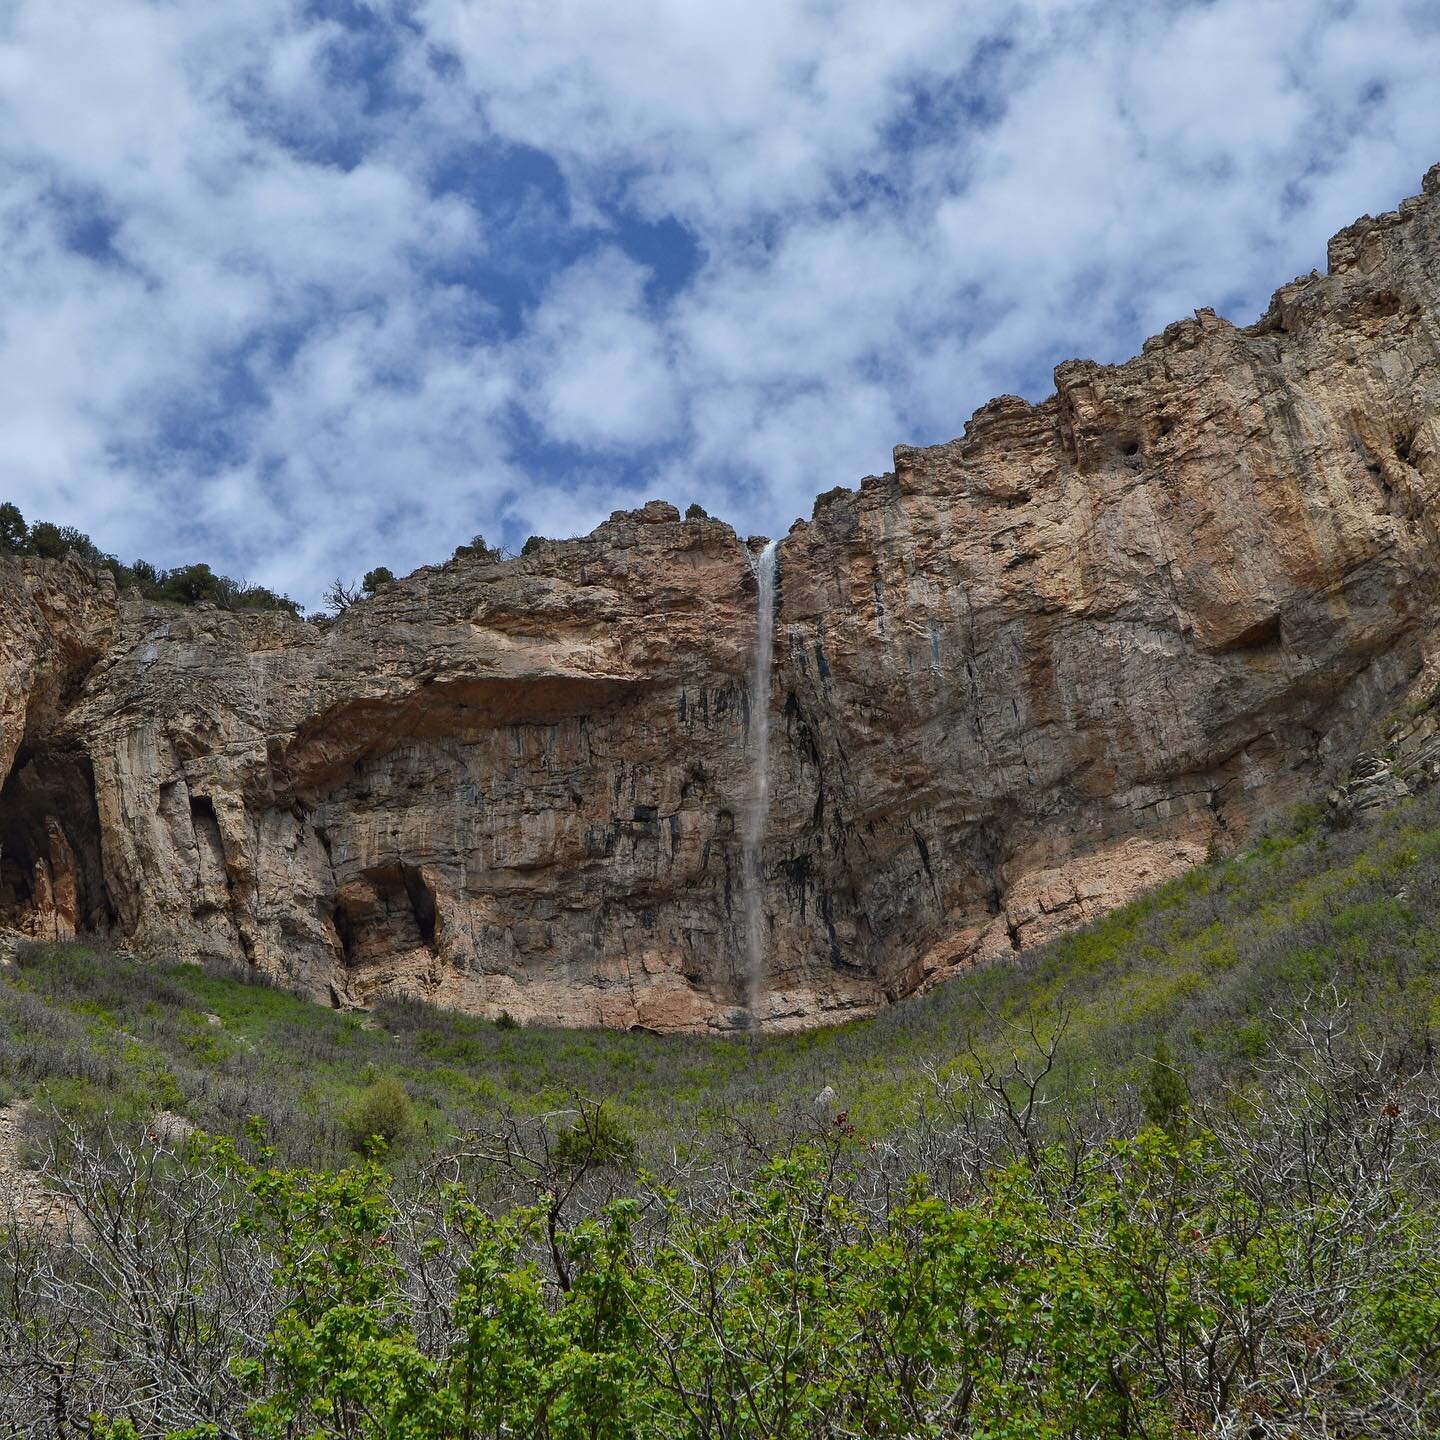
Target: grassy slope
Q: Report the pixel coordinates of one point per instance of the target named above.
(1211, 961)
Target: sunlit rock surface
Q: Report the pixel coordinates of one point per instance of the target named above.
(1027, 675)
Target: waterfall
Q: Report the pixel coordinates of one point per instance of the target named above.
(757, 799)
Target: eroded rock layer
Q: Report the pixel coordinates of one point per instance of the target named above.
(1026, 675)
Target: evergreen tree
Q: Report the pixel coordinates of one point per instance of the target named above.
(1164, 1094)
(13, 531)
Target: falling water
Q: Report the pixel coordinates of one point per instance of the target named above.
(757, 800)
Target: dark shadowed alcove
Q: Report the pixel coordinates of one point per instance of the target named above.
(48, 814)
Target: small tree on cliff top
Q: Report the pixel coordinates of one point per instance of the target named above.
(13, 531)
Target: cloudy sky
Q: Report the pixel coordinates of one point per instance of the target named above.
(301, 288)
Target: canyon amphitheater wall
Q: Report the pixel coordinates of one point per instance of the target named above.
(1023, 677)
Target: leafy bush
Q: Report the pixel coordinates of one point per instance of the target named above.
(194, 584)
(54, 542)
(532, 544)
(596, 1139)
(696, 512)
(190, 584)
(1137, 1287)
(374, 579)
(1164, 1095)
(479, 548)
(382, 1113)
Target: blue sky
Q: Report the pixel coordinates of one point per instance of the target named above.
(301, 288)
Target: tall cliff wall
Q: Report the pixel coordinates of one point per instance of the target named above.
(1029, 673)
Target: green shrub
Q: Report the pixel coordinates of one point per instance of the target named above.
(1164, 1094)
(1081, 1294)
(54, 542)
(382, 1113)
(88, 1106)
(506, 1021)
(696, 512)
(374, 579)
(191, 584)
(596, 1140)
(194, 584)
(478, 547)
(29, 953)
(188, 585)
(532, 544)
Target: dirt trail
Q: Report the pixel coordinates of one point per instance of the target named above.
(21, 1194)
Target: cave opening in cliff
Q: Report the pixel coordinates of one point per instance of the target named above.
(51, 877)
(388, 910)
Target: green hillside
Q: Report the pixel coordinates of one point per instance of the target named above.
(1209, 965)
(1175, 1175)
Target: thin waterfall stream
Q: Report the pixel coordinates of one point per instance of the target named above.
(757, 798)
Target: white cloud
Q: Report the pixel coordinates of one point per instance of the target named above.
(238, 318)
(711, 112)
(597, 367)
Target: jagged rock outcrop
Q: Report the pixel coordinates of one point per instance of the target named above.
(1026, 675)
(1406, 763)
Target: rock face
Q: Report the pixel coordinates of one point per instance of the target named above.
(1026, 675)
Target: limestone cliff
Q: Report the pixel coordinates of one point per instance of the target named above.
(1027, 674)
